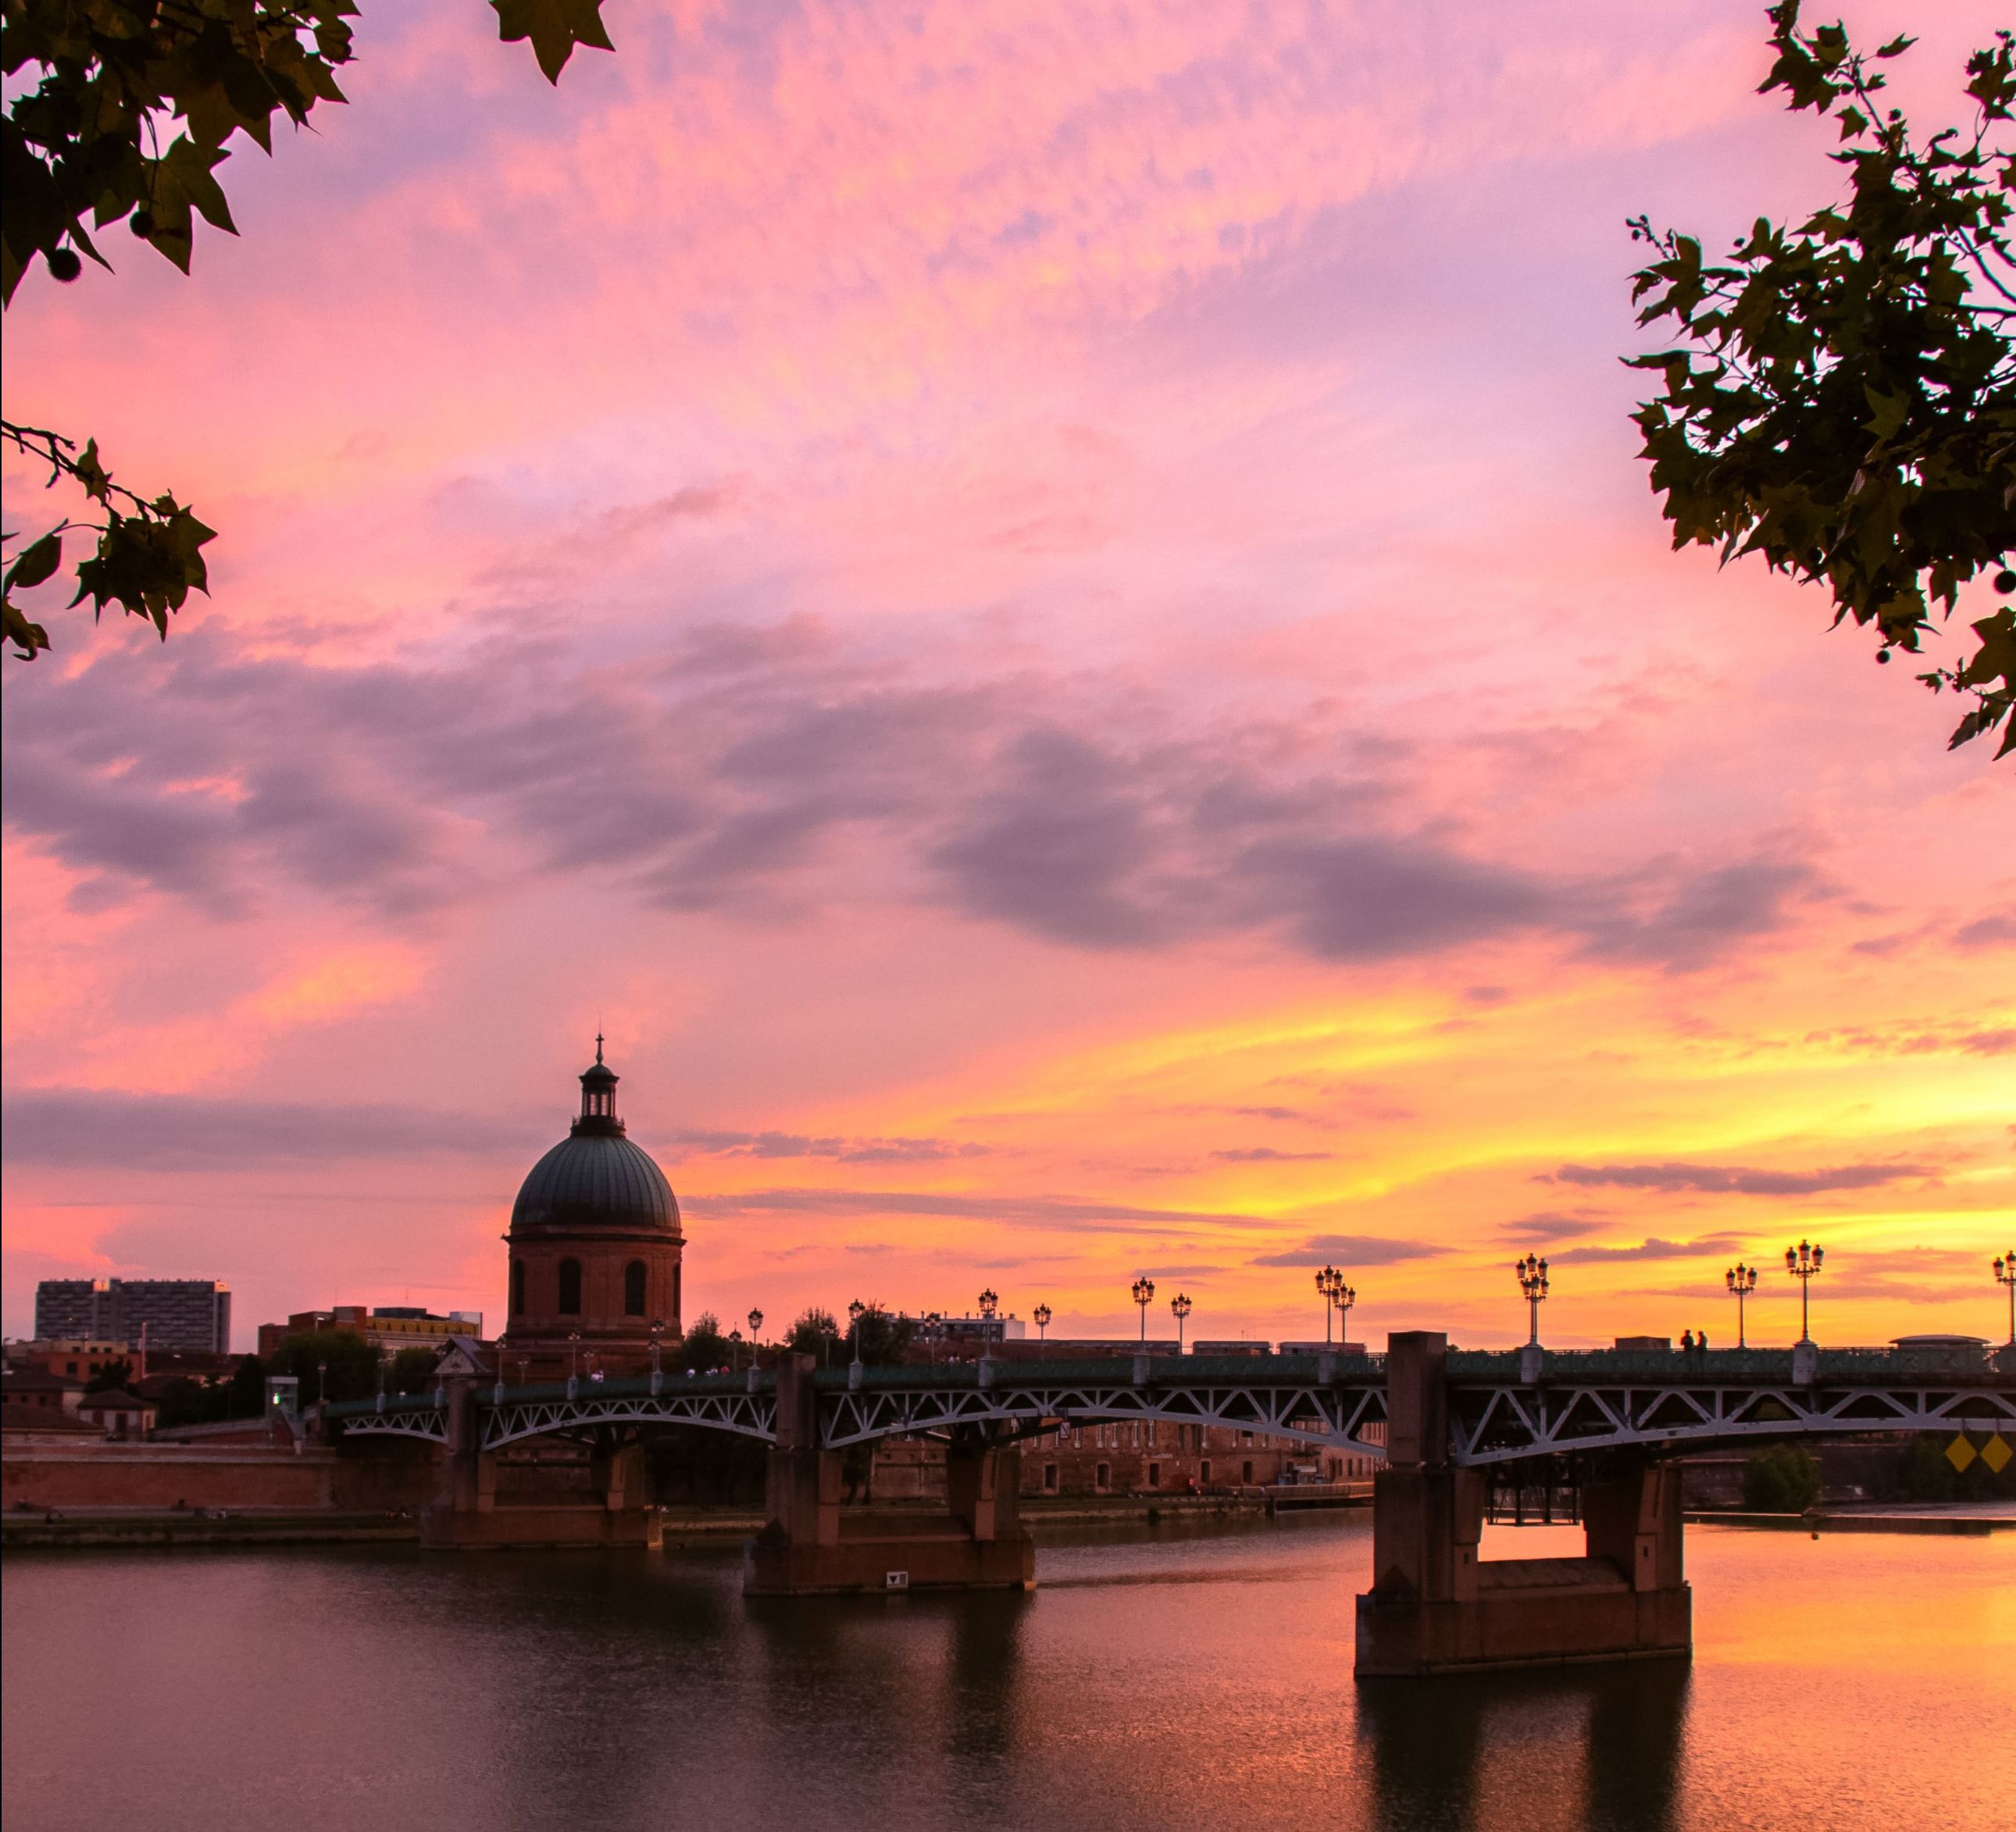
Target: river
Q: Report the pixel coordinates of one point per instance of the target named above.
(1157, 1678)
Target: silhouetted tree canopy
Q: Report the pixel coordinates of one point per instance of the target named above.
(120, 111)
(1845, 402)
(352, 1362)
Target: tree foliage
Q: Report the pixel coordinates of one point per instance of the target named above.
(122, 111)
(1784, 1480)
(412, 1370)
(1845, 401)
(352, 1365)
(703, 1346)
(815, 1332)
(111, 1378)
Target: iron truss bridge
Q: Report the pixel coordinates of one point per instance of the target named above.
(1505, 1424)
(1595, 1401)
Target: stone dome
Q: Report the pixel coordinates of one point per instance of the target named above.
(595, 1180)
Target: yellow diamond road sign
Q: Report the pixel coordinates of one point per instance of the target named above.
(1995, 1453)
(1959, 1453)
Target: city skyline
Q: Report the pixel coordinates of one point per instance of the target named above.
(1086, 688)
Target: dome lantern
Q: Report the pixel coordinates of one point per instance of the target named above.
(598, 1098)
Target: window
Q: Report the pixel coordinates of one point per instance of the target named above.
(676, 1295)
(517, 1288)
(1049, 1479)
(569, 1287)
(1154, 1475)
(1245, 1437)
(1204, 1472)
(1246, 1472)
(633, 1289)
(1102, 1478)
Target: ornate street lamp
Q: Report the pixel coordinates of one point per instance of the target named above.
(1144, 1295)
(573, 1361)
(1042, 1314)
(1532, 1276)
(2005, 1274)
(657, 1345)
(322, 1383)
(1344, 1298)
(1179, 1307)
(1803, 1263)
(755, 1333)
(735, 1350)
(990, 1301)
(1741, 1280)
(1327, 1281)
(855, 1312)
(935, 1332)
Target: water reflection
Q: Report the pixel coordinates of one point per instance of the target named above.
(1172, 1682)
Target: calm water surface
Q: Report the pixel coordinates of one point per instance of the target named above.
(1158, 1679)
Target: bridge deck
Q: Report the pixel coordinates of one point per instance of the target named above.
(1583, 1400)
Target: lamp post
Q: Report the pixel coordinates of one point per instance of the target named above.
(1344, 1298)
(1179, 1307)
(1144, 1295)
(855, 1312)
(322, 1383)
(2005, 1274)
(1532, 1276)
(935, 1332)
(990, 1301)
(573, 1361)
(1741, 1280)
(1327, 1283)
(755, 1333)
(657, 1344)
(1803, 1263)
(735, 1350)
(1042, 1314)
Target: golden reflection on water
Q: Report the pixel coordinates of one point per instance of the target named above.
(1174, 1679)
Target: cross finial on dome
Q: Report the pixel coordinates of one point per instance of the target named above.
(598, 1046)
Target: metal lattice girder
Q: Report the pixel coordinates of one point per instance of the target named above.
(753, 1415)
(1334, 1415)
(1588, 1401)
(1503, 1422)
(429, 1422)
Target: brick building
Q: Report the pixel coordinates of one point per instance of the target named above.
(73, 1359)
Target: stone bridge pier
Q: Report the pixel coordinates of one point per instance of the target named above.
(1434, 1607)
(466, 1514)
(808, 1547)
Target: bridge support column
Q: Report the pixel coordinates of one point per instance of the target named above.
(1434, 1607)
(466, 1515)
(807, 1547)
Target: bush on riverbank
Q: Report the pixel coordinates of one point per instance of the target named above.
(1784, 1480)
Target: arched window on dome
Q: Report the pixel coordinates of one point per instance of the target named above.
(517, 1288)
(633, 1289)
(570, 1288)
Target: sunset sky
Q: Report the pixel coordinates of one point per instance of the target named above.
(1047, 612)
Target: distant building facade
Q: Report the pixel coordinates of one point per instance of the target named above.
(388, 1328)
(29, 1383)
(171, 1313)
(73, 1358)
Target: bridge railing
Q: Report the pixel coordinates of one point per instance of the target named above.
(1965, 1365)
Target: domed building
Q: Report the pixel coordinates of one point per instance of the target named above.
(595, 1246)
